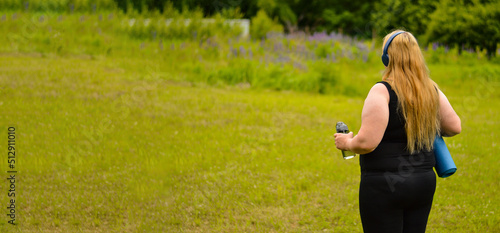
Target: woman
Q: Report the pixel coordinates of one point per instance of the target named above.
(401, 116)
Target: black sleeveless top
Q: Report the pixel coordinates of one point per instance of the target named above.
(391, 154)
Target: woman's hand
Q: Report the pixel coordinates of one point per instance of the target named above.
(343, 140)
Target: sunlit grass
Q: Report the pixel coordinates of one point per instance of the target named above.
(139, 139)
(102, 151)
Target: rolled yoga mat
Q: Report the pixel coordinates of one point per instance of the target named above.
(444, 163)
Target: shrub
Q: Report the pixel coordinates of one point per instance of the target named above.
(261, 24)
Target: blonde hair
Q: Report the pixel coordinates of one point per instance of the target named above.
(417, 94)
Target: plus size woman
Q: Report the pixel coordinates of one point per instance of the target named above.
(401, 117)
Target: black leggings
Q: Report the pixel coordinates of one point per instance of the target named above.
(396, 202)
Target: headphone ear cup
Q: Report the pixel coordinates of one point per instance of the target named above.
(385, 56)
(385, 59)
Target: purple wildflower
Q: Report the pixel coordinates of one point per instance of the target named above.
(242, 51)
(435, 46)
(299, 65)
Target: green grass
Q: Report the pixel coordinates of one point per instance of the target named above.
(101, 151)
(138, 140)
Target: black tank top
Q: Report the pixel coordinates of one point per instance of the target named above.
(391, 154)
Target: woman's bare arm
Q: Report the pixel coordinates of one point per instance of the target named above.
(374, 120)
(450, 121)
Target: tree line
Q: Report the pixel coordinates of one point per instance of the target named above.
(464, 24)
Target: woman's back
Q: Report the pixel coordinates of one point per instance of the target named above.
(392, 151)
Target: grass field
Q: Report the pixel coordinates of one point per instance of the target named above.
(113, 143)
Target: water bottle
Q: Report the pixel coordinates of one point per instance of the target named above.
(342, 128)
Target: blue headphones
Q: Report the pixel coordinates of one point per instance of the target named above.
(385, 56)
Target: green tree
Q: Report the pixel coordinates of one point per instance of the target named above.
(466, 24)
(348, 17)
(410, 15)
(449, 25)
(262, 24)
(485, 27)
(280, 9)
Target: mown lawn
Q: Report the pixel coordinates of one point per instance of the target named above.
(105, 146)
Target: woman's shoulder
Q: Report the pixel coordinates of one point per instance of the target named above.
(381, 89)
(384, 83)
(382, 86)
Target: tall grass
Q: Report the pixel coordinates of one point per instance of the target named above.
(60, 6)
(212, 53)
(301, 63)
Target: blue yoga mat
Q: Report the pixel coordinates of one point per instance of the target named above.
(444, 163)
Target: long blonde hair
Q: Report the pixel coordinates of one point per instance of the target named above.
(417, 93)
